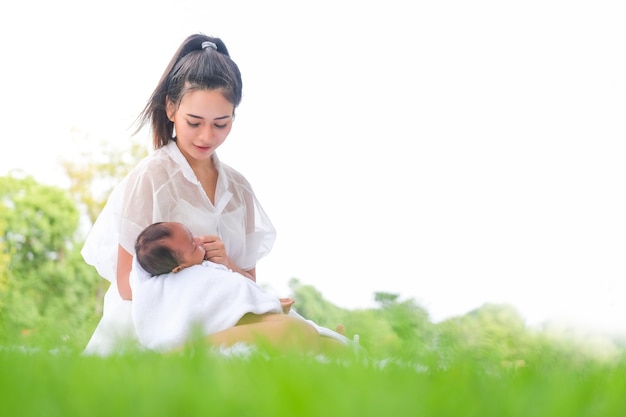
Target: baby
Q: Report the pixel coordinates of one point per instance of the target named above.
(176, 287)
(166, 247)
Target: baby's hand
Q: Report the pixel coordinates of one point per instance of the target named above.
(286, 303)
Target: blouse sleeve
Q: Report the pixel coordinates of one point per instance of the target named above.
(100, 248)
(128, 210)
(261, 234)
(136, 210)
(259, 231)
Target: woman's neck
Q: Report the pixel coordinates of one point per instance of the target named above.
(206, 173)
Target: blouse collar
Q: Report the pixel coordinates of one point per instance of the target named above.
(177, 156)
(222, 182)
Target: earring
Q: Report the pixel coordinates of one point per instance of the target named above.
(173, 131)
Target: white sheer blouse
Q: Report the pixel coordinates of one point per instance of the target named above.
(163, 187)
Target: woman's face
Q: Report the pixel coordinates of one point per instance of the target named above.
(202, 121)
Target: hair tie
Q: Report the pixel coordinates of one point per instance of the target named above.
(207, 44)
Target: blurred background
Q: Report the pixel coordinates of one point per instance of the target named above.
(455, 153)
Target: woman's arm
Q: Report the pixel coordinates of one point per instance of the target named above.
(251, 273)
(124, 264)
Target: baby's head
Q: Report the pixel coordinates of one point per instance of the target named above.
(166, 247)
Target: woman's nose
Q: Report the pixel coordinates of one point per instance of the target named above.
(207, 133)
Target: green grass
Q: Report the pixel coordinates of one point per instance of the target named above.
(199, 382)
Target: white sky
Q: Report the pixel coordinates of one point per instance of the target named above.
(453, 152)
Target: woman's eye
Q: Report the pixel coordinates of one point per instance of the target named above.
(193, 124)
(221, 126)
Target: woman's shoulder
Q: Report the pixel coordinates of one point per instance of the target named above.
(158, 163)
(233, 176)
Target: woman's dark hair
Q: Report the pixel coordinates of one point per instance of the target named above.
(193, 67)
(154, 256)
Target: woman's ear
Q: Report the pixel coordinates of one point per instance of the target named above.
(178, 268)
(170, 109)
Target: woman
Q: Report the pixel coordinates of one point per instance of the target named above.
(191, 113)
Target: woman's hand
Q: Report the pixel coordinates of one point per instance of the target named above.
(286, 303)
(215, 251)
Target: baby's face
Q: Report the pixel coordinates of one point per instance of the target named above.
(188, 246)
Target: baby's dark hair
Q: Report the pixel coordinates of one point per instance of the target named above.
(153, 253)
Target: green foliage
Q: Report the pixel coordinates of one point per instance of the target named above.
(39, 221)
(5, 257)
(494, 334)
(45, 285)
(492, 331)
(311, 304)
(397, 329)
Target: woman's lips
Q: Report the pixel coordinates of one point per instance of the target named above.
(203, 148)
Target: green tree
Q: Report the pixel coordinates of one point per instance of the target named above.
(373, 332)
(4, 264)
(409, 322)
(493, 333)
(311, 304)
(386, 299)
(398, 329)
(44, 282)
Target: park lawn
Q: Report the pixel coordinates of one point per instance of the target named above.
(255, 383)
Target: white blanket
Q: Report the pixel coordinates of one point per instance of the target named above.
(168, 307)
(210, 296)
